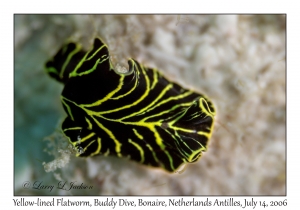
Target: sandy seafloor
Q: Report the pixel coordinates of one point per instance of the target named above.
(239, 61)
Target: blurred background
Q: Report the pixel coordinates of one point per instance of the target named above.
(239, 61)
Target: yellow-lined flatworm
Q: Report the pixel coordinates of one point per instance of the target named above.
(141, 114)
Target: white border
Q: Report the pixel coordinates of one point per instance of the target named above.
(154, 6)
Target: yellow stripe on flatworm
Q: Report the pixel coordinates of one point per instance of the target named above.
(137, 134)
(111, 135)
(138, 148)
(76, 50)
(86, 137)
(73, 128)
(98, 148)
(89, 123)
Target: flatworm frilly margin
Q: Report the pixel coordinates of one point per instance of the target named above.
(140, 115)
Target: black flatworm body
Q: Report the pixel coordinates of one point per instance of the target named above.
(139, 115)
